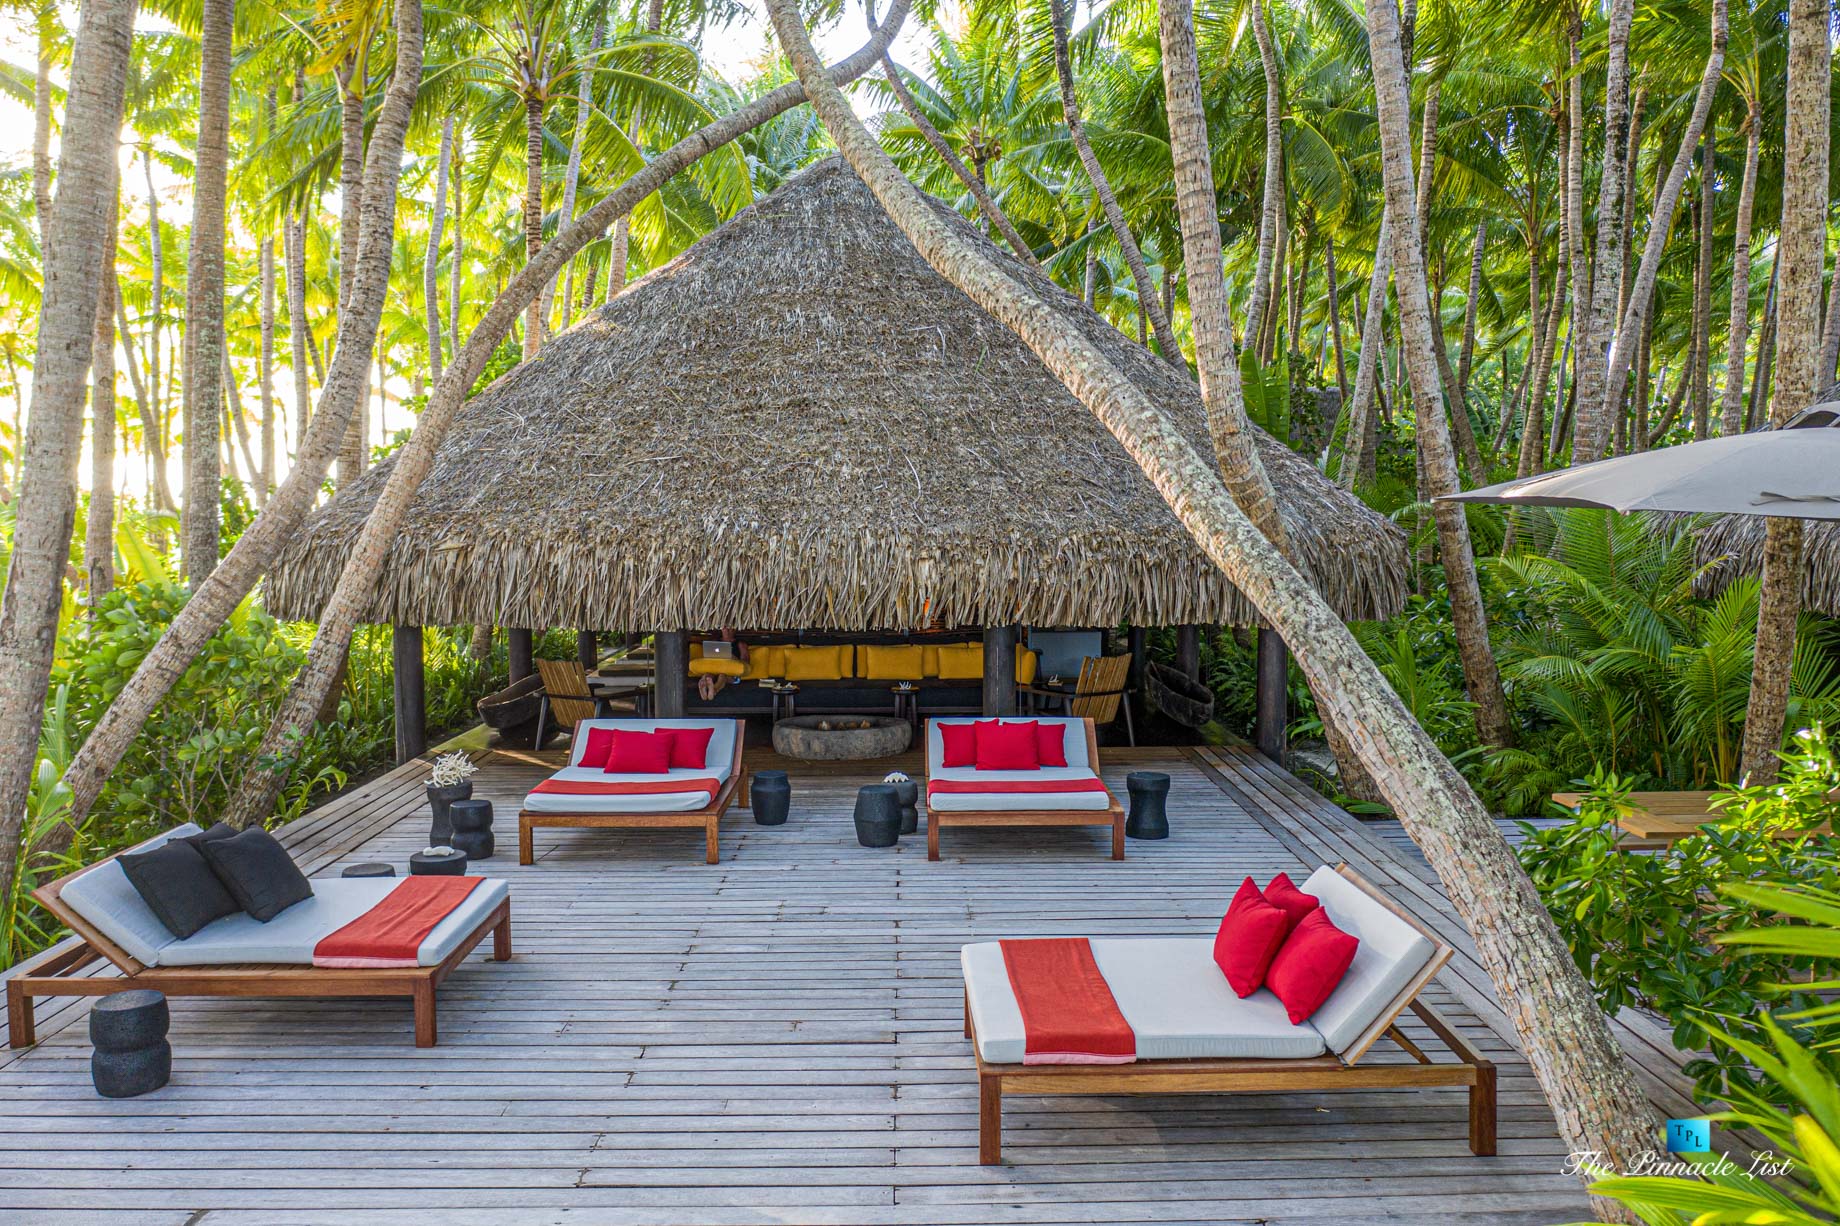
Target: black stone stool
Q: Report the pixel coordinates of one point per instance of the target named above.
(878, 816)
(472, 823)
(1149, 818)
(372, 868)
(907, 795)
(128, 1032)
(770, 795)
(453, 864)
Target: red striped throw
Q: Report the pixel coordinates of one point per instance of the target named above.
(391, 933)
(987, 787)
(1068, 1013)
(626, 787)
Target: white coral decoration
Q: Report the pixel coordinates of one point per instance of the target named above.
(895, 777)
(452, 768)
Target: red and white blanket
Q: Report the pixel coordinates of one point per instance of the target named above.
(391, 933)
(626, 787)
(984, 787)
(1068, 1013)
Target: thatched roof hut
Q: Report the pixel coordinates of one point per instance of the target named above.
(1732, 545)
(798, 423)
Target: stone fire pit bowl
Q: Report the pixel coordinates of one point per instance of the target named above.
(841, 738)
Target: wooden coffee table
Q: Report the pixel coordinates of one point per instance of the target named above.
(1655, 820)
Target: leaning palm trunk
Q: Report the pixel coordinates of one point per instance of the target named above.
(41, 127)
(1731, 401)
(431, 256)
(294, 249)
(987, 206)
(1798, 320)
(1271, 210)
(204, 294)
(1642, 289)
(1420, 342)
(257, 547)
(1102, 188)
(1358, 461)
(1568, 1040)
(352, 86)
(265, 478)
(1592, 428)
(81, 219)
(1702, 293)
(533, 215)
(255, 796)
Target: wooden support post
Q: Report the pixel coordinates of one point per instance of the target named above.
(670, 668)
(999, 670)
(588, 649)
(1273, 710)
(411, 705)
(522, 659)
(1188, 651)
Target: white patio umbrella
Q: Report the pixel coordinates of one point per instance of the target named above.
(1792, 472)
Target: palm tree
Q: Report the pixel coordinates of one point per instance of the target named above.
(1801, 250)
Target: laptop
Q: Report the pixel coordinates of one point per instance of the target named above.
(719, 649)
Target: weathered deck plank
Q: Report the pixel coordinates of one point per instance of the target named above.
(773, 1038)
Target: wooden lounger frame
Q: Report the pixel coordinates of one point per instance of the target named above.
(1112, 815)
(1330, 1072)
(64, 970)
(709, 817)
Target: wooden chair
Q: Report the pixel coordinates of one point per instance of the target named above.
(1098, 694)
(68, 969)
(566, 700)
(1339, 1070)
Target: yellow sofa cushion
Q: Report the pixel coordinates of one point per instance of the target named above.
(929, 660)
(764, 661)
(819, 663)
(1028, 663)
(700, 667)
(891, 663)
(961, 661)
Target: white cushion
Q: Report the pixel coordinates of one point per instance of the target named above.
(1074, 739)
(1168, 989)
(289, 938)
(1010, 801)
(660, 802)
(721, 757)
(106, 898)
(1391, 953)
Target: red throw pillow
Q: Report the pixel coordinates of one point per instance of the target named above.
(600, 740)
(1286, 897)
(1248, 939)
(1007, 747)
(1051, 744)
(958, 744)
(689, 746)
(1310, 965)
(639, 753)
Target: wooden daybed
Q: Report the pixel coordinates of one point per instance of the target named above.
(708, 817)
(1338, 1069)
(70, 969)
(1111, 815)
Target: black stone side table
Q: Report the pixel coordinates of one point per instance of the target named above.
(878, 816)
(1149, 816)
(907, 795)
(372, 868)
(453, 864)
(472, 822)
(770, 796)
(128, 1032)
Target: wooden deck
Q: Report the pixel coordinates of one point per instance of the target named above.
(775, 1038)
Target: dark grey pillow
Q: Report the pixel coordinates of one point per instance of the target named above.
(178, 886)
(222, 830)
(258, 872)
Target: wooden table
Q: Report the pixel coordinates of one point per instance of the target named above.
(608, 689)
(1654, 820)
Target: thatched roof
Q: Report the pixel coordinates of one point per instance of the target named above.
(1732, 545)
(798, 423)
